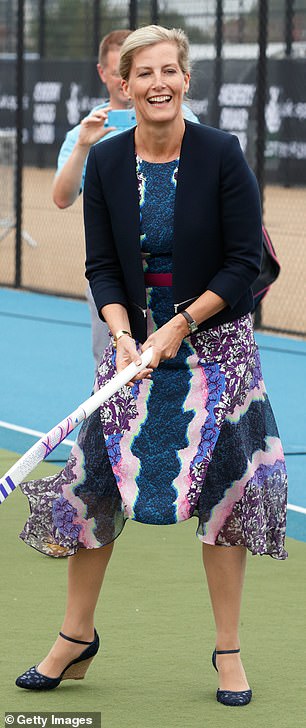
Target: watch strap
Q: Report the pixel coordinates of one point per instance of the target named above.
(191, 323)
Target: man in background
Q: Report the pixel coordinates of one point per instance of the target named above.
(71, 163)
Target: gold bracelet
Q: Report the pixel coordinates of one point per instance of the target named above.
(118, 335)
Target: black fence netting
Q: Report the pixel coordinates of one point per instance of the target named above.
(248, 78)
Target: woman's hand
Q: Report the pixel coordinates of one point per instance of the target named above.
(126, 352)
(167, 340)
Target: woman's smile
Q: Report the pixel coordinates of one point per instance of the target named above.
(158, 100)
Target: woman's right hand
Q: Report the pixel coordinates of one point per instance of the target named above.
(126, 352)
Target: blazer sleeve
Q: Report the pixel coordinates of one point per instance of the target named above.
(102, 266)
(241, 226)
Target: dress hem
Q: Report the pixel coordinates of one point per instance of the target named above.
(73, 549)
(264, 551)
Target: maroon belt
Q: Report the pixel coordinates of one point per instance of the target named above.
(158, 279)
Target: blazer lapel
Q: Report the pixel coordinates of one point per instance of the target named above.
(125, 218)
(189, 205)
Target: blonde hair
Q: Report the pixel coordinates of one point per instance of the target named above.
(150, 35)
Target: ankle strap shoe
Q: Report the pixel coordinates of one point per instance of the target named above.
(75, 670)
(230, 697)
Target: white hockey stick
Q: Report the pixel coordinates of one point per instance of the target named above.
(43, 447)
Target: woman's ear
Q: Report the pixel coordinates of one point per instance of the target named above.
(125, 89)
(186, 82)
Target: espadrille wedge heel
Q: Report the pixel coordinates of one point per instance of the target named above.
(78, 671)
(75, 670)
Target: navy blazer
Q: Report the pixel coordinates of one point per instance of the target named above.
(217, 242)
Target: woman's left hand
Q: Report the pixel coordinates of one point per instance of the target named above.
(166, 341)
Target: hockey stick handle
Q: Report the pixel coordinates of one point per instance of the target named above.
(43, 447)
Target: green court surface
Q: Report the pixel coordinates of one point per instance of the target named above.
(153, 669)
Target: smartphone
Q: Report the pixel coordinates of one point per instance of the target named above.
(121, 118)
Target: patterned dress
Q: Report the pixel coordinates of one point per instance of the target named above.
(198, 439)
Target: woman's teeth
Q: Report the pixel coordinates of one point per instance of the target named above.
(159, 99)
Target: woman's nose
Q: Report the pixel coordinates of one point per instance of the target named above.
(158, 81)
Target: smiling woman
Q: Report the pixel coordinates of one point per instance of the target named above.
(155, 72)
(173, 241)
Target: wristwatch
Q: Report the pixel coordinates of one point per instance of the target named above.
(118, 335)
(191, 323)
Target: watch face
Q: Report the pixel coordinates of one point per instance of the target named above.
(193, 327)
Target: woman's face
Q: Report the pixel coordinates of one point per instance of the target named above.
(156, 83)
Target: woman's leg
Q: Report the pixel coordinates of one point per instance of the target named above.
(86, 572)
(225, 569)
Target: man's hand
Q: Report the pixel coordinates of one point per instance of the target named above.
(93, 129)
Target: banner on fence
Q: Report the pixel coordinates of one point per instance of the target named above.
(58, 94)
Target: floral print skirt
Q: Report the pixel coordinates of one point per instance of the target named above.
(198, 439)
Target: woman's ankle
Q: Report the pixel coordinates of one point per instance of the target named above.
(225, 641)
(78, 631)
